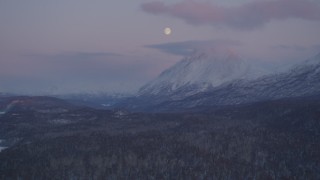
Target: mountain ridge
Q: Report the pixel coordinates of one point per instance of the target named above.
(203, 70)
(302, 80)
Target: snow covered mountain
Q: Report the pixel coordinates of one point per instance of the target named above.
(301, 81)
(204, 80)
(200, 72)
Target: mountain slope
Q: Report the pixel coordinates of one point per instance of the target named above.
(173, 90)
(303, 80)
(200, 72)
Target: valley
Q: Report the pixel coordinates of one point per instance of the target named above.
(265, 140)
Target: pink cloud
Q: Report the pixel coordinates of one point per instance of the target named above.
(155, 7)
(247, 16)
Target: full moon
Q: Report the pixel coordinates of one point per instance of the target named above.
(167, 31)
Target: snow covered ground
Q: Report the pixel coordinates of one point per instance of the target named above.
(2, 147)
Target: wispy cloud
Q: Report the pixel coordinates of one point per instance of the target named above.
(289, 47)
(245, 17)
(73, 55)
(297, 48)
(187, 47)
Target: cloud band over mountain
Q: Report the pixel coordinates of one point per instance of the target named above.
(247, 16)
(187, 47)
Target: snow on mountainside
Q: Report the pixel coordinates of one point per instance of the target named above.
(200, 72)
(303, 80)
(174, 89)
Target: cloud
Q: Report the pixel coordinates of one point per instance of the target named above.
(247, 16)
(187, 47)
(289, 47)
(72, 55)
(297, 48)
(74, 63)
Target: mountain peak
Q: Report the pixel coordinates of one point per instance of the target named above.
(203, 69)
(214, 54)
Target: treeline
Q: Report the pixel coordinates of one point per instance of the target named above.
(230, 154)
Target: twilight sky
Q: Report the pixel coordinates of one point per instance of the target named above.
(72, 46)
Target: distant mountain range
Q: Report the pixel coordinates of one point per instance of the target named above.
(210, 78)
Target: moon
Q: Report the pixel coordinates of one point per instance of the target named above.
(167, 31)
